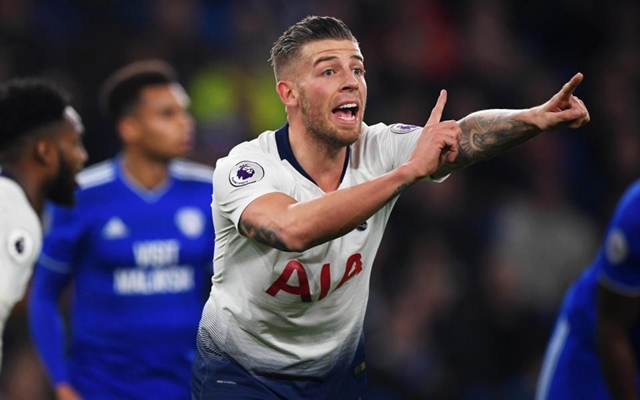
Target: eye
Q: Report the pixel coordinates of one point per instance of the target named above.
(358, 71)
(168, 112)
(328, 72)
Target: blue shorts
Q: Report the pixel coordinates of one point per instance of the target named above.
(215, 376)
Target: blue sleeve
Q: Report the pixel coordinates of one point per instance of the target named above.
(45, 321)
(52, 274)
(619, 260)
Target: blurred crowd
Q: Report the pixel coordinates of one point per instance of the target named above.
(471, 271)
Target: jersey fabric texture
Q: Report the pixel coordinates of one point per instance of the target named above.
(571, 369)
(292, 321)
(141, 263)
(20, 243)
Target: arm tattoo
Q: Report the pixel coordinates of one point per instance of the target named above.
(262, 235)
(486, 134)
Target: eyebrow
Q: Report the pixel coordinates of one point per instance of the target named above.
(328, 58)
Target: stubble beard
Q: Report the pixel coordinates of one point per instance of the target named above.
(62, 188)
(321, 130)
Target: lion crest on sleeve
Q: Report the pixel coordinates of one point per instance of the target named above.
(245, 172)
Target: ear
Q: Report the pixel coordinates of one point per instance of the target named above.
(288, 93)
(128, 129)
(46, 152)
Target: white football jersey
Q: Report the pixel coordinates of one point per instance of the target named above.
(285, 312)
(20, 243)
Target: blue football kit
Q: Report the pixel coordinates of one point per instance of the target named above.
(572, 369)
(140, 262)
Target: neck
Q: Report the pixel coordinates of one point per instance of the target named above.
(147, 172)
(322, 161)
(30, 183)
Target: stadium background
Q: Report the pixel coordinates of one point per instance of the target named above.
(471, 272)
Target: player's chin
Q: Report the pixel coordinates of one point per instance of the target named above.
(178, 152)
(351, 128)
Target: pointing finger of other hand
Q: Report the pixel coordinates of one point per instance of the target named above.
(568, 88)
(436, 113)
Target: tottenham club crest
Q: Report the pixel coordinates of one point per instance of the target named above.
(245, 172)
(402, 128)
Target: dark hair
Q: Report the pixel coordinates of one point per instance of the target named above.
(121, 91)
(26, 105)
(312, 28)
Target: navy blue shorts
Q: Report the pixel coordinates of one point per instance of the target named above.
(217, 377)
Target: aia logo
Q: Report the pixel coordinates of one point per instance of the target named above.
(245, 172)
(352, 268)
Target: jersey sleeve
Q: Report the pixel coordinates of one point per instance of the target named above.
(52, 274)
(45, 320)
(20, 243)
(619, 260)
(62, 238)
(397, 142)
(240, 180)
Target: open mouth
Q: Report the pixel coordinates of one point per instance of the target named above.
(347, 112)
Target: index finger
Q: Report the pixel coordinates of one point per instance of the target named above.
(436, 113)
(569, 87)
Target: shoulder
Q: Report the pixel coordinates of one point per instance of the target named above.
(384, 129)
(97, 175)
(10, 191)
(264, 144)
(14, 203)
(381, 135)
(256, 155)
(20, 231)
(191, 171)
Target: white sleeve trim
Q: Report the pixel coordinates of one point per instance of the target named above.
(54, 265)
(617, 287)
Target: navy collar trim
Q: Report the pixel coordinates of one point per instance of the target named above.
(284, 149)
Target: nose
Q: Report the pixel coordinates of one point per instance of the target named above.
(351, 81)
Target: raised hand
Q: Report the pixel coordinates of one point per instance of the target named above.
(563, 109)
(438, 142)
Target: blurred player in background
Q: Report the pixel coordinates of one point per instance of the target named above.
(594, 352)
(300, 212)
(41, 152)
(138, 247)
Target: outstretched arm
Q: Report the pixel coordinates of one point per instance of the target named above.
(488, 133)
(279, 221)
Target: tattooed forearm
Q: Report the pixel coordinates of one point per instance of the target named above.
(262, 235)
(486, 134)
